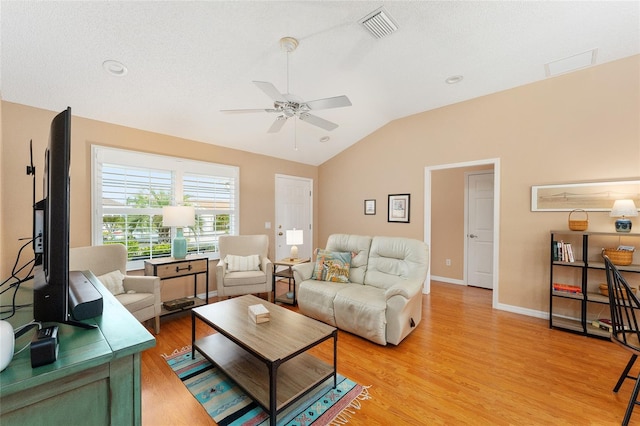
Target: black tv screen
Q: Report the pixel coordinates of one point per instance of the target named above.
(51, 286)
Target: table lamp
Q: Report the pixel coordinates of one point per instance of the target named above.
(623, 209)
(294, 237)
(178, 216)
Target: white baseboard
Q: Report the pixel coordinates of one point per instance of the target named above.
(447, 280)
(211, 294)
(523, 311)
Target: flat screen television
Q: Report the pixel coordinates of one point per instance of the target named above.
(51, 285)
(58, 294)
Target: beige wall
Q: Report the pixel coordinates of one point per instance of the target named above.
(22, 123)
(582, 126)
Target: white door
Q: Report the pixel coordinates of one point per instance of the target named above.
(480, 230)
(293, 210)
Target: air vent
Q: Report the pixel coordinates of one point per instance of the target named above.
(379, 23)
(571, 63)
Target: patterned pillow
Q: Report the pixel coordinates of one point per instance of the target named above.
(332, 266)
(242, 263)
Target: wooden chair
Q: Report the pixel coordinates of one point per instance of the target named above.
(624, 307)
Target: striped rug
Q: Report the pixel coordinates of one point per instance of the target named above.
(227, 404)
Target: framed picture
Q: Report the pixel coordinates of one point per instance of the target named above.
(592, 196)
(399, 208)
(369, 206)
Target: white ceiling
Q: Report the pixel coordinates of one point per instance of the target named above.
(188, 60)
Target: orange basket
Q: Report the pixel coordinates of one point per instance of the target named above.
(619, 257)
(578, 225)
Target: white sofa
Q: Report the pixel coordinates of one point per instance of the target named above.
(382, 301)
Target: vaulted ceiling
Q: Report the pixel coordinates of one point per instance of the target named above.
(187, 61)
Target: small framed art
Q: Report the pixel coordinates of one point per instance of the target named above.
(369, 206)
(399, 208)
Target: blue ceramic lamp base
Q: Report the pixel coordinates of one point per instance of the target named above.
(179, 246)
(623, 225)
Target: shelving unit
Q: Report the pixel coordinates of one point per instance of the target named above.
(575, 312)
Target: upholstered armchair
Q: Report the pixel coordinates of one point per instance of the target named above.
(244, 266)
(139, 294)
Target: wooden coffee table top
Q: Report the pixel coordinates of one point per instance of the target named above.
(286, 332)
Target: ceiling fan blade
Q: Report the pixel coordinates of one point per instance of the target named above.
(277, 125)
(335, 102)
(270, 90)
(234, 111)
(317, 121)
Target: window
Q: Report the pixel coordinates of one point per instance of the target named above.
(130, 188)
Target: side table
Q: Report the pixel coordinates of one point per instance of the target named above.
(285, 271)
(168, 267)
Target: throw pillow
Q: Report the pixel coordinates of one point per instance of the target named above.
(332, 266)
(113, 282)
(242, 263)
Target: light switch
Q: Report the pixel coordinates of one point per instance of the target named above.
(267, 225)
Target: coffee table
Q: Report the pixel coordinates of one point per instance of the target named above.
(269, 361)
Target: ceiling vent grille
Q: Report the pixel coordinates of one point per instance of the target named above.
(379, 23)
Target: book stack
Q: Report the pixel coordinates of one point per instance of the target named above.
(562, 252)
(258, 313)
(567, 288)
(603, 324)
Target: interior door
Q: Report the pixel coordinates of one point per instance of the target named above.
(480, 229)
(293, 210)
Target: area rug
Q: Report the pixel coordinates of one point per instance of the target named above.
(228, 405)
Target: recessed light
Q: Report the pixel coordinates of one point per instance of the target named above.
(114, 68)
(454, 79)
(324, 139)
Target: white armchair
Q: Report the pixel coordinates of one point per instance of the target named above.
(244, 266)
(139, 294)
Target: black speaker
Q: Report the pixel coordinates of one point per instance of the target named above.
(84, 300)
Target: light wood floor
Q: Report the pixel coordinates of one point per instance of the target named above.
(465, 364)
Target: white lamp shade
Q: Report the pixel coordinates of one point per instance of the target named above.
(624, 208)
(178, 216)
(294, 237)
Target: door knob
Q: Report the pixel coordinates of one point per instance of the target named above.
(473, 236)
(280, 234)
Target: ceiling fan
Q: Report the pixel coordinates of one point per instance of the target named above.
(287, 105)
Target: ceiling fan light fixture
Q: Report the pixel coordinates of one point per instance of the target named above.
(288, 44)
(379, 23)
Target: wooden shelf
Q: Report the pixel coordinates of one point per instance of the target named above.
(586, 245)
(295, 376)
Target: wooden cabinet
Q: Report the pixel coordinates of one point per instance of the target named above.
(95, 380)
(576, 300)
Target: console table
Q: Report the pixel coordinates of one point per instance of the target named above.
(168, 268)
(95, 379)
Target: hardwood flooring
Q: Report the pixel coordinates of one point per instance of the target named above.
(466, 363)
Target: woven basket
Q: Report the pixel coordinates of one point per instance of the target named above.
(604, 290)
(578, 225)
(619, 257)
